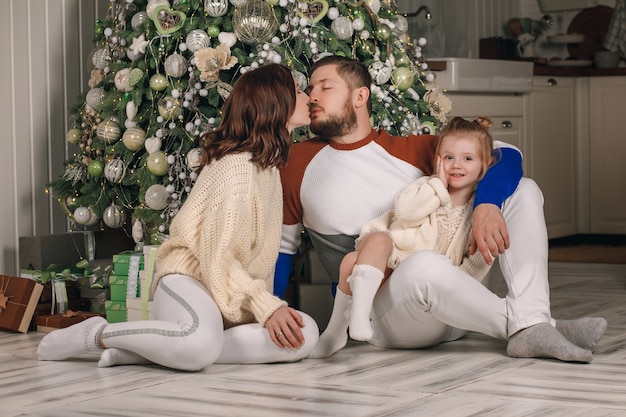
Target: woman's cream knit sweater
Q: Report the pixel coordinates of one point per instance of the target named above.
(227, 236)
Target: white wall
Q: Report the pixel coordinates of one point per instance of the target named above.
(45, 44)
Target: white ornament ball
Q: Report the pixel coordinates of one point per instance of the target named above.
(342, 27)
(134, 138)
(139, 19)
(358, 24)
(156, 197)
(176, 65)
(82, 215)
(237, 3)
(153, 4)
(122, 80)
(216, 8)
(401, 26)
(93, 219)
(197, 39)
(333, 13)
(114, 216)
(193, 158)
(374, 5)
(115, 170)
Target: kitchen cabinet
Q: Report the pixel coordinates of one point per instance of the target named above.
(550, 157)
(506, 111)
(607, 148)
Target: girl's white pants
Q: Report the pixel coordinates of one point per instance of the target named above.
(428, 300)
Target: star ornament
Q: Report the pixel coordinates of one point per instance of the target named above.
(3, 300)
(138, 46)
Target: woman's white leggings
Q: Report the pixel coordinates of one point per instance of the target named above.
(427, 299)
(187, 332)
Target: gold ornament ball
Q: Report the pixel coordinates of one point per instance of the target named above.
(109, 131)
(134, 138)
(73, 136)
(158, 82)
(169, 107)
(157, 163)
(382, 32)
(402, 78)
(254, 22)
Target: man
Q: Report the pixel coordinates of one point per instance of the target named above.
(351, 174)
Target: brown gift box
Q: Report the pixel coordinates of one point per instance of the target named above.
(18, 300)
(49, 323)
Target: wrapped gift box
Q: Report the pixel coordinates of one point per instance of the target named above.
(18, 300)
(48, 323)
(37, 252)
(115, 311)
(119, 288)
(121, 262)
(137, 310)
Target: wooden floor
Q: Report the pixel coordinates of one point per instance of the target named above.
(470, 377)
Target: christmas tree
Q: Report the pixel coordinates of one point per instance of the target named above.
(160, 73)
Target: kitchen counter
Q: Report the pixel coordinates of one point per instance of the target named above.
(577, 71)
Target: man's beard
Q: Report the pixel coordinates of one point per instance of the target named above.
(336, 125)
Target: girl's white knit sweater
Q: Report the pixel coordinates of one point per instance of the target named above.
(227, 235)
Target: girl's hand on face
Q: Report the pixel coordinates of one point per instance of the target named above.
(441, 171)
(284, 327)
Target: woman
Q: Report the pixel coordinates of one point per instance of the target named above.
(213, 291)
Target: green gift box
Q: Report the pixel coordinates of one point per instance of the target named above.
(118, 285)
(115, 311)
(121, 262)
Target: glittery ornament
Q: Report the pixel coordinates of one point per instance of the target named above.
(158, 82)
(94, 97)
(73, 136)
(101, 58)
(254, 22)
(169, 107)
(342, 27)
(175, 65)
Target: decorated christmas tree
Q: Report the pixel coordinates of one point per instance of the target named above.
(161, 71)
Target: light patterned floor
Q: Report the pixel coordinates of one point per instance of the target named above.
(470, 377)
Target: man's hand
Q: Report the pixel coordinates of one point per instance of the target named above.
(489, 234)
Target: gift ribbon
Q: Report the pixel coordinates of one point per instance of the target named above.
(145, 289)
(133, 275)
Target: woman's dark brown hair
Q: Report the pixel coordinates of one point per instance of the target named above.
(254, 118)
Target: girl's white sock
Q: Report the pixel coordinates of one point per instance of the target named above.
(364, 283)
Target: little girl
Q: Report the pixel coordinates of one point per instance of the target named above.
(430, 213)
